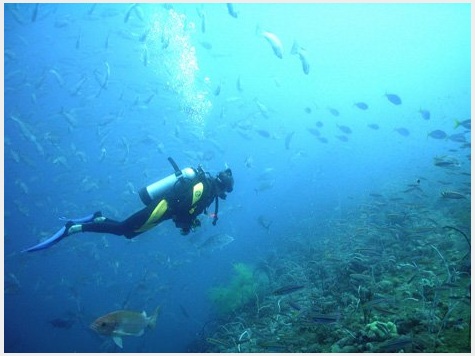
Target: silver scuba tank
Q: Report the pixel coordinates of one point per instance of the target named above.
(157, 189)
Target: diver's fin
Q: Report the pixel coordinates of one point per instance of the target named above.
(117, 340)
(61, 234)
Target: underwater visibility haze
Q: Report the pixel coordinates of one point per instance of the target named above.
(348, 131)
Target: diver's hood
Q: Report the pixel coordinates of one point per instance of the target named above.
(225, 182)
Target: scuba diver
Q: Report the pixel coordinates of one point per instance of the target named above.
(181, 196)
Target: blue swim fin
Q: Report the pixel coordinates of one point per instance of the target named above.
(61, 234)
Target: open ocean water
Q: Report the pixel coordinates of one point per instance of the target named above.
(348, 131)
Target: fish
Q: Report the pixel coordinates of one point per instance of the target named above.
(231, 10)
(124, 323)
(57, 76)
(263, 133)
(238, 83)
(265, 185)
(206, 45)
(275, 43)
(452, 195)
(129, 11)
(143, 36)
(145, 56)
(302, 53)
(248, 162)
(262, 108)
(11, 284)
(267, 174)
(78, 40)
(425, 114)
(215, 242)
(62, 323)
(103, 81)
(202, 16)
(446, 161)
(437, 134)
(91, 9)
(334, 112)
(184, 311)
(402, 131)
(272, 346)
(27, 133)
(361, 105)
(394, 345)
(465, 124)
(288, 138)
(294, 305)
(326, 318)
(322, 139)
(78, 85)
(378, 300)
(344, 129)
(314, 131)
(393, 98)
(342, 138)
(288, 289)
(264, 222)
(373, 126)
(72, 121)
(319, 124)
(35, 13)
(218, 342)
(460, 137)
(411, 189)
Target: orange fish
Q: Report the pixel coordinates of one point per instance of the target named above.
(124, 323)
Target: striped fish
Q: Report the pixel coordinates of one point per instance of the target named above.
(452, 195)
(287, 289)
(326, 318)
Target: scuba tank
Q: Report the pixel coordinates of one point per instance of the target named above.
(161, 187)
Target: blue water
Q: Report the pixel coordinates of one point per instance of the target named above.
(98, 96)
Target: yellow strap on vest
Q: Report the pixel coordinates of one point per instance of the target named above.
(157, 213)
(197, 193)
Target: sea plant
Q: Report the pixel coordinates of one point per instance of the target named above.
(238, 292)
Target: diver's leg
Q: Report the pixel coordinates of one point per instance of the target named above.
(147, 218)
(129, 227)
(134, 225)
(88, 218)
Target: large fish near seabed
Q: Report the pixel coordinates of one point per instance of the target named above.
(124, 323)
(214, 242)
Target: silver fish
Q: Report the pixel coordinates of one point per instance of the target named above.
(302, 53)
(452, 195)
(275, 43)
(215, 242)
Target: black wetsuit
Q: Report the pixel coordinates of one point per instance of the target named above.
(180, 208)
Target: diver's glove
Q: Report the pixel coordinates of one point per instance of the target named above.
(196, 223)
